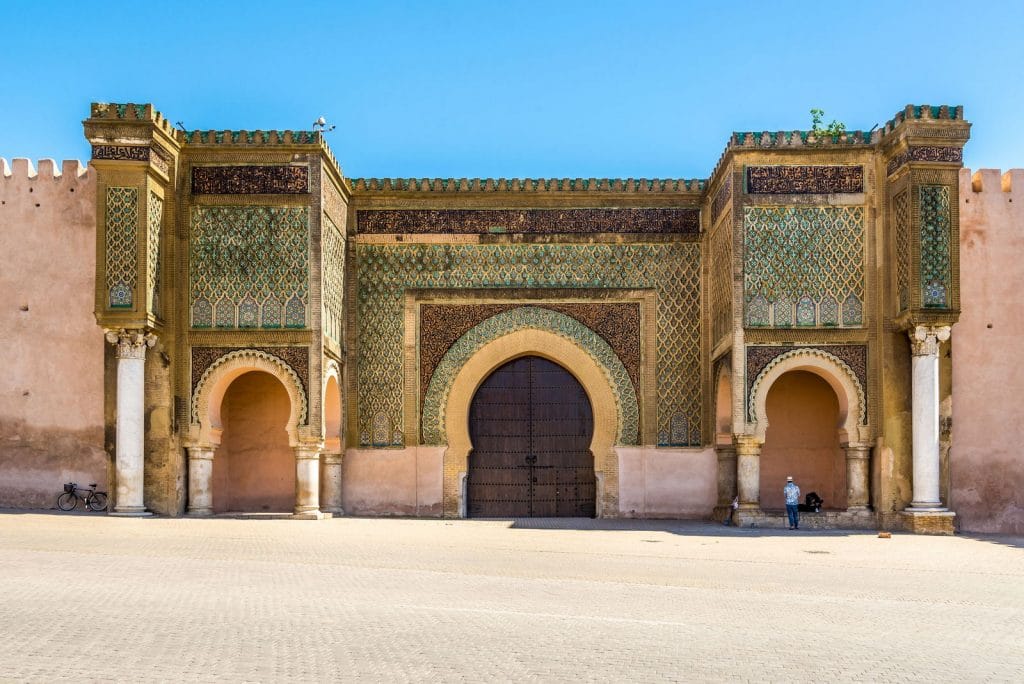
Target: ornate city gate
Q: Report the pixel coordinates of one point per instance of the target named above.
(531, 424)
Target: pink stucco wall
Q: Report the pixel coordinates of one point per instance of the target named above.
(393, 481)
(987, 453)
(51, 350)
(667, 483)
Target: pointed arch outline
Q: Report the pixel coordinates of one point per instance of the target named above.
(207, 399)
(831, 369)
(435, 401)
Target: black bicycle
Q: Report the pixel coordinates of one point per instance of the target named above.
(93, 500)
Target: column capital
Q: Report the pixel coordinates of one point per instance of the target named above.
(747, 445)
(925, 339)
(131, 344)
(858, 449)
(308, 451)
(331, 458)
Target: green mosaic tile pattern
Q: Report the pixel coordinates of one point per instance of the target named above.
(122, 246)
(806, 259)
(518, 319)
(901, 213)
(156, 220)
(333, 278)
(936, 267)
(386, 271)
(255, 261)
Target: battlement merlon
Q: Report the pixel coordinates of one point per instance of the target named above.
(925, 125)
(21, 169)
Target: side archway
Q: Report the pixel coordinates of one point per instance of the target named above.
(531, 342)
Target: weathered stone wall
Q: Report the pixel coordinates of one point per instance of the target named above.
(986, 457)
(51, 351)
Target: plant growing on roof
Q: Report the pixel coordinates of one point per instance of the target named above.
(834, 129)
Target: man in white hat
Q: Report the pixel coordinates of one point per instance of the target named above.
(792, 493)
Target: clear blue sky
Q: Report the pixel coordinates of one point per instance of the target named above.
(511, 89)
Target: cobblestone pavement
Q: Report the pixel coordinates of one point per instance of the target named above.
(101, 598)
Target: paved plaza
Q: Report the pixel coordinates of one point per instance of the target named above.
(91, 597)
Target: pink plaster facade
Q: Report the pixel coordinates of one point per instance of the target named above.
(667, 483)
(986, 461)
(51, 351)
(393, 481)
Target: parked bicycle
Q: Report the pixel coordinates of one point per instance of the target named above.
(93, 500)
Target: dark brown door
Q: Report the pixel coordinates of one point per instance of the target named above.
(531, 424)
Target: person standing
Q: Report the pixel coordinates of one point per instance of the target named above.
(792, 493)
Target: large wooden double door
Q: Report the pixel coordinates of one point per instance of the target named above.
(531, 424)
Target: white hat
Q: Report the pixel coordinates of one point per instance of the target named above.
(789, 478)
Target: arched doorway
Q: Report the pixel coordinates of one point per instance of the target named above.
(803, 440)
(254, 466)
(531, 425)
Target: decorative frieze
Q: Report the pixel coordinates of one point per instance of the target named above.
(804, 180)
(250, 180)
(296, 358)
(855, 356)
(442, 324)
(927, 153)
(481, 221)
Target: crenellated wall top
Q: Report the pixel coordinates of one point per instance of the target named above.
(129, 111)
(21, 169)
(528, 185)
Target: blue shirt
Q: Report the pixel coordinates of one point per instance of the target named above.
(792, 493)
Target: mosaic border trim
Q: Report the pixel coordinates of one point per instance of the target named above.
(250, 180)
(927, 153)
(252, 353)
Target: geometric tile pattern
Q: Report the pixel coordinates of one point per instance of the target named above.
(122, 246)
(155, 223)
(251, 264)
(436, 397)
(803, 260)
(333, 278)
(385, 272)
(720, 280)
(901, 219)
(935, 252)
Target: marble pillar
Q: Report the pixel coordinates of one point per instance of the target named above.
(925, 342)
(131, 421)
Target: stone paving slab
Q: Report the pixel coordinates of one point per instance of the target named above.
(102, 598)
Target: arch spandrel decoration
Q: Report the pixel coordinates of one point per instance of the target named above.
(627, 408)
(832, 369)
(210, 390)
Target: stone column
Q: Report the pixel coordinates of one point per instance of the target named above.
(858, 473)
(200, 480)
(748, 471)
(726, 473)
(131, 425)
(924, 343)
(330, 483)
(307, 480)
